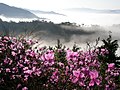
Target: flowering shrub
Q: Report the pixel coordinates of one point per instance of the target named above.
(21, 68)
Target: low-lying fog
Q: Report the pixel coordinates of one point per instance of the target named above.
(83, 17)
(81, 40)
(101, 24)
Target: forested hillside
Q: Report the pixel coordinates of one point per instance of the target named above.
(44, 28)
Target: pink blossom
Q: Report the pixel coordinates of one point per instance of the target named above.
(13, 53)
(8, 70)
(79, 68)
(28, 72)
(72, 55)
(18, 86)
(6, 61)
(93, 74)
(37, 72)
(48, 56)
(93, 77)
(91, 83)
(75, 80)
(54, 77)
(61, 64)
(103, 50)
(82, 75)
(111, 65)
(24, 88)
(30, 42)
(76, 73)
(97, 81)
(25, 68)
(7, 38)
(81, 83)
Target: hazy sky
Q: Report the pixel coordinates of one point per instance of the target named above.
(63, 4)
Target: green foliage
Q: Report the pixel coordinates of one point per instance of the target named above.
(59, 45)
(75, 48)
(111, 46)
(111, 57)
(60, 54)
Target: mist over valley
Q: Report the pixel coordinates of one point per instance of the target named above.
(72, 25)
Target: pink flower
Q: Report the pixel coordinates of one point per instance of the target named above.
(93, 77)
(111, 65)
(107, 87)
(25, 68)
(37, 72)
(91, 83)
(29, 42)
(81, 83)
(97, 81)
(93, 74)
(13, 53)
(6, 61)
(24, 88)
(34, 68)
(28, 72)
(82, 75)
(72, 55)
(18, 86)
(5, 37)
(61, 64)
(54, 77)
(8, 70)
(47, 56)
(76, 73)
(74, 80)
(103, 50)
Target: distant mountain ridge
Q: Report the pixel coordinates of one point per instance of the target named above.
(89, 10)
(14, 12)
(45, 12)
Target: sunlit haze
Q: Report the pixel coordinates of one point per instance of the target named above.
(63, 4)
